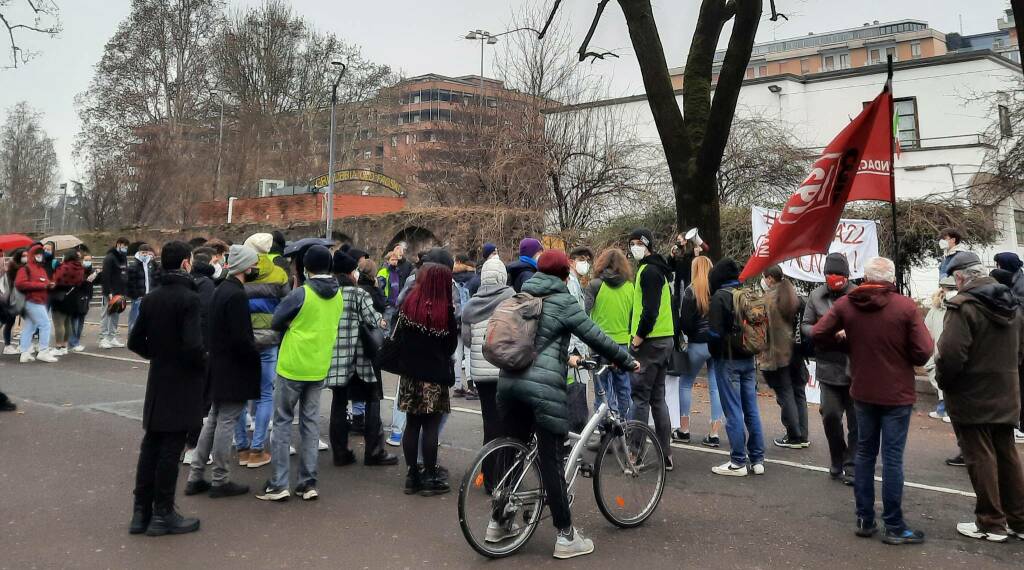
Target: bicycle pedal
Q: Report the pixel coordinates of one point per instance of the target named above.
(587, 470)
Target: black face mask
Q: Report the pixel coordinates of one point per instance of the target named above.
(252, 274)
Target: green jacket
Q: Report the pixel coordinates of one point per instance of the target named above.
(542, 386)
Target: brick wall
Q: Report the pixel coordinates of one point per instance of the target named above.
(281, 210)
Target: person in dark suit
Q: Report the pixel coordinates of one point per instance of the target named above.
(168, 333)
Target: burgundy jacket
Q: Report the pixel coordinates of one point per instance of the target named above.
(885, 338)
(69, 274)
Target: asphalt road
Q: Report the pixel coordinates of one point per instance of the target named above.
(67, 461)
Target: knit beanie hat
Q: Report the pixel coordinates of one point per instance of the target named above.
(724, 271)
(554, 262)
(440, 256)
(343, 263)
(488, 250)
(1009, 261)
(836, 264)
(241, 258)
(963, 260)
(317, 260)
(645, 236)
(260, 242)
(529, 247)
(494, 273)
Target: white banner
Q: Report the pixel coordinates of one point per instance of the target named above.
(856, 239)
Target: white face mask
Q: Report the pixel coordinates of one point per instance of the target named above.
(39, 259)
(638, 251)
(764, 284)
(943, 244)
(355, 276)
(583, 267)
(217, 269)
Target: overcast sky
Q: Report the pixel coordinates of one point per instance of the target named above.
(419, 37)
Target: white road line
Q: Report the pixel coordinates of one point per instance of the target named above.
(118, 358)
(794, 464)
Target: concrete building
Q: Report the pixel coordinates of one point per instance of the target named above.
(947, 105)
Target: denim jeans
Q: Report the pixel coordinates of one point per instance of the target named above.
(109, 323)
(133, 313)
(737, 388)
(617, 390)
(358, 408)
(697, 355)
(35, 319)
(75, 336)
(264, 406)
(884, 426)
(288, 393)
(397, 417)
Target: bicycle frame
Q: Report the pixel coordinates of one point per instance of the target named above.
(572, 464)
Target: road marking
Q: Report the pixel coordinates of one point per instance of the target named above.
(118, 358)
(804, 466)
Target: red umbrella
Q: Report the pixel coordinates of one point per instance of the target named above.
(14, 241)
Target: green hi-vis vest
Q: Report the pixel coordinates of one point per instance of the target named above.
(308, 344)
(612, 311)
(386, 274)
(663, 326)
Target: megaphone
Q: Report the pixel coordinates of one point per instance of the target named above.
(694, 236)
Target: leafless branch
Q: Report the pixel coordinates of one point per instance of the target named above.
(39, 9)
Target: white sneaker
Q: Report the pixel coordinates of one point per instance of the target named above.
(46, 356)
(578, 546)
(936, 415)
(78, 348)
(321, 446)
(116, 343)
(497, 532)
(730, 469)
(105, 344)
(190, 455)
(62, 351)
(971, 529)
(27, 357)
(947, 419)
(1018, 435)
(757, 469)
(11, 349)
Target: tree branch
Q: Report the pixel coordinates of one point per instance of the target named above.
(584, 48)
(551, 18)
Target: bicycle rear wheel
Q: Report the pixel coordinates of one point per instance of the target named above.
(501, 498)
(629, 474)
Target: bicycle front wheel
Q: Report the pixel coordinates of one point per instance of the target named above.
(629, 474)
(501, 498)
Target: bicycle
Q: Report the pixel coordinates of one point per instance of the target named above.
(503, 484)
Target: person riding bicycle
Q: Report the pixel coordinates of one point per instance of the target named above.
(534, 400)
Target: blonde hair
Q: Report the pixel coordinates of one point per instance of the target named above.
(700, 268)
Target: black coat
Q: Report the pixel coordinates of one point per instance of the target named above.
(203, 275)
(135, 278)
(168, 334)
(112, 278)
(235, 363)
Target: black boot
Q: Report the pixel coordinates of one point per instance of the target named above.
(381, 457)
(413, 481)
(171, 522)
(434, 483)
(141, 516)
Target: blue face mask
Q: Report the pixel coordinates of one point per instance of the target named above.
(87, 264)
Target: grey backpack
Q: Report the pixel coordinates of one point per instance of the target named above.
(512, 333)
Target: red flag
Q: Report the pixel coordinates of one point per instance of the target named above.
(856, 165)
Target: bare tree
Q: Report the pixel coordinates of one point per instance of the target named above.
(28, 167)
(28, 16)
(762, 163)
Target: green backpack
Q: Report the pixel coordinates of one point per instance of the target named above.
(751, 314)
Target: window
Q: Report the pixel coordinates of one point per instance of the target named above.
(416, 98)
(829, 63)
(874, 57)
(394, 140)
(891, 52)
(844, 61)
(906, 121)
(762, 71)
(915, 49)
(367, 154)
(1005, 124)
(805, 65)
(432, 137)
(1018, 224)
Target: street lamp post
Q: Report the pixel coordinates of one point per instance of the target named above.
(485, 37)
(330, 159)
(220, 140)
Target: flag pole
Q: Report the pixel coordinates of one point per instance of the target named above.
(892, 178)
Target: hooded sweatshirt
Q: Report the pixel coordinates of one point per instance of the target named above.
(885, 339)
(308, 317)
(981, 347)
(32, 279)
(476, 314)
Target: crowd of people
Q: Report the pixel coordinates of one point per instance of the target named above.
(240, 336)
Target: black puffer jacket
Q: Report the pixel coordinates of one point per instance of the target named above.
(543, 385)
